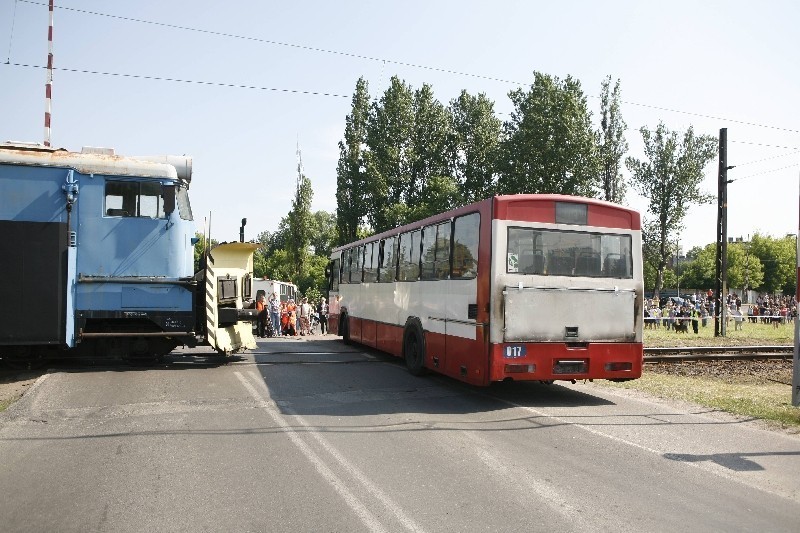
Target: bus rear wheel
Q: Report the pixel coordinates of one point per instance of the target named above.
(414, 351)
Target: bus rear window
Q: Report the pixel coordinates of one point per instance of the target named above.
(568, 253)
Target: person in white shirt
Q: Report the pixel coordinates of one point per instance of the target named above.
(305, 316)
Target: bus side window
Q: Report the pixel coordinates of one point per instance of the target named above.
(428, 263)
(345, 266)
(442, 264)
(370, 262)
(408, 252)
(334, 286)
(466, 231)
(388, 261)
(357, 265)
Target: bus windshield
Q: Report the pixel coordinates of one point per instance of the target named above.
(568, 253)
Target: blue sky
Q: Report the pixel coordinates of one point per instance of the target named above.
(709, 64)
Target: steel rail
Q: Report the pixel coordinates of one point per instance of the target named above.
(717, 353)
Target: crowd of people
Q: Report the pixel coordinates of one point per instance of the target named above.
(288, 319)
(681, 314)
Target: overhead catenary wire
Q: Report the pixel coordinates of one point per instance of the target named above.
(384, 61)
(11, 36)
(180, 80)
(795, 152)
(766, 145)
(765, 172)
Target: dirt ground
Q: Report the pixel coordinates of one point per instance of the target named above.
(14, 383)
(742, 372)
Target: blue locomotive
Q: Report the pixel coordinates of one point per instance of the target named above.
(97, 259)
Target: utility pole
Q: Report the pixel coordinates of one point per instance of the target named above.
(677, 264)
(722, 236)
(720, 309)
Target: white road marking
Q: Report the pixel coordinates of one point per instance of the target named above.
(545, 491)
(702, 466)
(369, 519)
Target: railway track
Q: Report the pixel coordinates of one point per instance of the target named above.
(717, 353)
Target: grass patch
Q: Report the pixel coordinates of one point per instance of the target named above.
(5, 403)
(766, 401)
(746, 391)
(750, 334)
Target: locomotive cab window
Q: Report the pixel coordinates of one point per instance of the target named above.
(134, 199)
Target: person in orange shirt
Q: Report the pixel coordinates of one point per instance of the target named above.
(291, 309)
(284, 319)
(261, 307)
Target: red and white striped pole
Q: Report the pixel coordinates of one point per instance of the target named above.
(48, 88)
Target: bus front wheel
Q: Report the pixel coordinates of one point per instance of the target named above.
(414, 351)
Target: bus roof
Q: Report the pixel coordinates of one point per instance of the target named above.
(528, 208)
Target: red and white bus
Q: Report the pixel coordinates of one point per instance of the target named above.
(523, 287)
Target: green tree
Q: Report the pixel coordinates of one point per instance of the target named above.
(351, 170)
(300, 224)
(281, 265)
(431, 144)
(477, 141)
(388, 172)
(744, 269)
(260, 256)
(699, 272)
(780, 262)
(440, 193)
(324, 233)
(670, 279)
(550, 146)
(313, 282)
(670, 180)
(612, 143)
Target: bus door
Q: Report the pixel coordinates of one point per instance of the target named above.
(465, 339)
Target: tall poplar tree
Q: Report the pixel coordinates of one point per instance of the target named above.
(300, 224)
(351, 191)
(477, 140)
(612, 143)
(431, 144)
(388, 171)
(550, 145)
(670, 180)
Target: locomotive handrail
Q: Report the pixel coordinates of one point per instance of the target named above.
(188, 281)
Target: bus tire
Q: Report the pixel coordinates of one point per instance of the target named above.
(344, 328)
(414, 350)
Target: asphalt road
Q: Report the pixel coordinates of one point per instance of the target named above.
(313, 435)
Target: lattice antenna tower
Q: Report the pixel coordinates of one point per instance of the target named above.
(299, 166)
